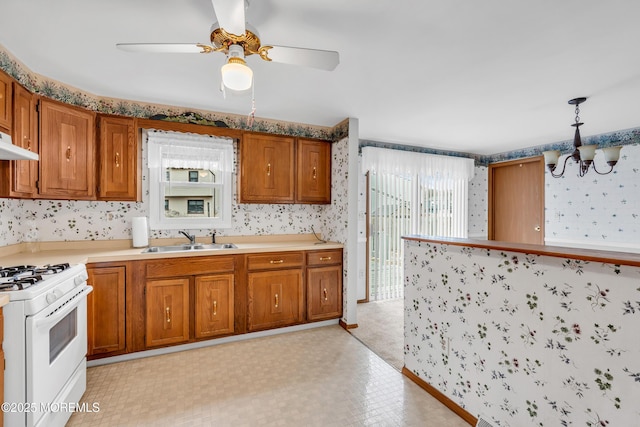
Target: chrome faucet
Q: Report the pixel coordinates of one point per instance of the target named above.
(191, 237)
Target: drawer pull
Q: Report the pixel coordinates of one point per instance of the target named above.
(325, 258)
(215, 308)
(167, 312)
(268, 169)
(68, 153)
(315, 174)
(325, 293)
(277, 301)
(276, 261)
(117, 160)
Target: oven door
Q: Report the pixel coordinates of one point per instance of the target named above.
(56, 346)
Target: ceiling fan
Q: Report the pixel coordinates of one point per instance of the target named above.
(232, 36)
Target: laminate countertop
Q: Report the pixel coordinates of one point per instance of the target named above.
(611, 257)
(86, 252)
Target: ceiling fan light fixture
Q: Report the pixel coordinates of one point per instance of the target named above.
(236, 75)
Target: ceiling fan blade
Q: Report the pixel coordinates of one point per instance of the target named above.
(322, 59)
(166, 47)
(230, 15)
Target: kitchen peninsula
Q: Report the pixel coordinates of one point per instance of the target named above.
(524, 334)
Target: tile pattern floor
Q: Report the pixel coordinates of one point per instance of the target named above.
(316, 377)
(381, 328)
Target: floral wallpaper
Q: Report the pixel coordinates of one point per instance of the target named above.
(600, 211)
(524, 340)
(69, 220)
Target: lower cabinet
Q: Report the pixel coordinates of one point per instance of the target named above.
(214, 305)
(159, 302)
(275, 299)
(106, 311)
(324, 285)
(167, 316)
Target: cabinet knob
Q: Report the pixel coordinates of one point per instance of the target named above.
(537, 228)
(277, 301)
(215, 308)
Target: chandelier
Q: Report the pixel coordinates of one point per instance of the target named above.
(582, 154)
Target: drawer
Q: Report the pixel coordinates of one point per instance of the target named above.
(172, 267)
(324, 257)
(274, 260)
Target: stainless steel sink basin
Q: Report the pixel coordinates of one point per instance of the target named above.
(188, 248)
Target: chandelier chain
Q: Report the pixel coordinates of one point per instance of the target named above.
(577, 113)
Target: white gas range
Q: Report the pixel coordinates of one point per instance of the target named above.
(45, 342)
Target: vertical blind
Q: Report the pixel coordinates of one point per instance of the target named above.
(410, 193)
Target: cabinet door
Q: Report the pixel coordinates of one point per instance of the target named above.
(167, 316)
(118, 159)
(106, 310)
(314, 171)
(324, 292)
(5, 102)
(67, 151)
(25, 134)
(266, 169)
(214, 305)
(22, 175)
(275, 299)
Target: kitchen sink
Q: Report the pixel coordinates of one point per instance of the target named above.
(188, 248)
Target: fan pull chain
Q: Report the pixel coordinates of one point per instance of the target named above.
(252, 114)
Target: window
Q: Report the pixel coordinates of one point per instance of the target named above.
(410, 193)
(195, 207)
(190, 183)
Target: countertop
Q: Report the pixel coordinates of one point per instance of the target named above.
(611, 257)
(86, 252)
(4, 300)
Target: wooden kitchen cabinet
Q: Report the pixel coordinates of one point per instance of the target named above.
(67, 151)
(20, 177)
(6, 110)
(167, 311)
(117, 158)
(313, 175)
(214, 305)
(106, 311)
(276, 294)
(324, 285)
(282, 169)
(266, 169)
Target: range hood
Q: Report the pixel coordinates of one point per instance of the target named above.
(8, 151)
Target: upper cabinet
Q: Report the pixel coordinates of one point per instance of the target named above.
(314, 171)
(20, 177)
(117, 158)
(67, 151)
(5, 102)
(266, 169)
(282, 169)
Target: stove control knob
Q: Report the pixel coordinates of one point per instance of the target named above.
(79, 280)
(51, 297)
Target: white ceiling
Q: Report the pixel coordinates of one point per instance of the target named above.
(464, 75)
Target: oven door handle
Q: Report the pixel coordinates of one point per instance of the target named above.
(54, 317)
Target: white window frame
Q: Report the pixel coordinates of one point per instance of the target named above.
(160, 143)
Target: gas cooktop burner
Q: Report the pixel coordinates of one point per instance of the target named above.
(19, 277)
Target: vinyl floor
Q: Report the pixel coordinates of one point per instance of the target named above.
(316, 377)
